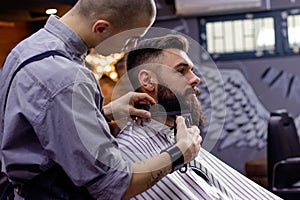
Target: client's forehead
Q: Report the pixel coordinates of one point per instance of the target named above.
(174, 56)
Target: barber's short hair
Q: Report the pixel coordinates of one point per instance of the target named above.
(120, 12)
(148, 50)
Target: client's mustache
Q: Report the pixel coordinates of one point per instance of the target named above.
(192, 90)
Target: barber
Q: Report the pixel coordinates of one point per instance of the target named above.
(56, 143)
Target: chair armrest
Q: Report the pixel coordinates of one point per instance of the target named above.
(286, 174)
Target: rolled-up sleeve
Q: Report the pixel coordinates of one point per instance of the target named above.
(75, 134)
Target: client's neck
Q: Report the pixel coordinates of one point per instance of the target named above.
(166, 120)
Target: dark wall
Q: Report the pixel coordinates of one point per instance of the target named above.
(279, 4)
(274, 90)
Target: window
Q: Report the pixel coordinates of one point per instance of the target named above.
(261, 34)
(293, 22)
(240, 35)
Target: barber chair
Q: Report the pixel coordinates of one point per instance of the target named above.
(283, 156)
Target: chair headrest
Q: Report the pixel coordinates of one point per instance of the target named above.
(284, 116)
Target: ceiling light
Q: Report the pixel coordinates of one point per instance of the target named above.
(113, 75)
(89, 58)
(104, 65)
(109, 59)
(96, 60)
(99, 69)
(108, 68)
(51, 11)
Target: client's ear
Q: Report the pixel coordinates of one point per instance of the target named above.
(146, 80)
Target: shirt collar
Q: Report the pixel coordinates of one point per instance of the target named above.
(73, 42)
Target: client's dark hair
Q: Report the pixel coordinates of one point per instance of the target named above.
(148, 50)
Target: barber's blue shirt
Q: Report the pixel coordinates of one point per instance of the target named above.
(53, 115)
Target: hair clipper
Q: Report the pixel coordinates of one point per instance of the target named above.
(188, 122)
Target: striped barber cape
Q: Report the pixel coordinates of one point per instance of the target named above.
(207, 177)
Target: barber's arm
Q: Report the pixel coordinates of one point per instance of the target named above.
(150, 171)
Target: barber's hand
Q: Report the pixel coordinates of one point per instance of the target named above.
(188, 140)
(124, 106)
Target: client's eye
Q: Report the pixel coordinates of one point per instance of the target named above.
(181, 71)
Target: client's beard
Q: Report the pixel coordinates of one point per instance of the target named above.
(184, 103)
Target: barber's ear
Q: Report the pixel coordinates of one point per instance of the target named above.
(101, 26)
(146, 80)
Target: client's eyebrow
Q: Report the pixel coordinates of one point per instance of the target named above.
(185, 65)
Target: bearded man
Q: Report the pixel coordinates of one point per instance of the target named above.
(161, 68)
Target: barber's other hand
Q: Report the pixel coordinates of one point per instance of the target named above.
(188, 140)
(124, 106)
